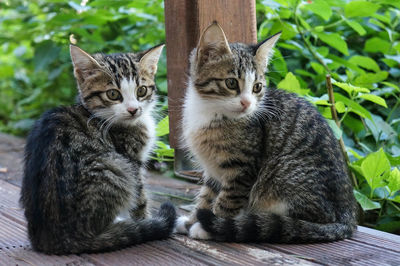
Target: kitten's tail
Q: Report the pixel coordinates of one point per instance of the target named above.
(270, 227)
(126, 233)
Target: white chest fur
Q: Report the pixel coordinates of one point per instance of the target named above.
(198, 114)
(149, 124)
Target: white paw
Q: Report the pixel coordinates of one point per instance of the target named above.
(180, 227)
(197, 232)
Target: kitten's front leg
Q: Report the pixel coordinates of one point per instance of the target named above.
(205, 199)
(233, 197)
(139, 211)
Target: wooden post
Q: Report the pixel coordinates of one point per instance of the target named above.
(185, 20)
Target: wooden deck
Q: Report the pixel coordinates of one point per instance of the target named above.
(367, 247)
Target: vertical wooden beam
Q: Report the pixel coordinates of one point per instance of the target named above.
(185, 20)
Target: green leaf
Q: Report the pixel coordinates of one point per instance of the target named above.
(320, 8)
(365, 202)
(291, 84)
(354, 107)
(394, 161)
(365, 62)
(336, 130)
(376, 44)
(354, 124)
(394, 181)
(340, 107)
(389, 62)
(367, 79)
(6, 71)
(375, 168)
(279, 63)
(357, 27)
(163, 127)
(390, 226)
(381, 130)
(318, 68)
(373, 98)
(391, 85)
(350, 89)
(360, 9)
(334, 40)
(45, 53)
(355, 154)
(342, 62)
(377, 23)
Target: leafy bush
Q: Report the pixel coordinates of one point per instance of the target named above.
(356, 42)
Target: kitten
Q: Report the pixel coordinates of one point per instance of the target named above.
(273, 170)
(82, 188)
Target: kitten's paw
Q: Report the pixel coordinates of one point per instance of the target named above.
(180, 227)
(197, 232)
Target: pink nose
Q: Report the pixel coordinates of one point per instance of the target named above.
(132, 110)
(245, 103)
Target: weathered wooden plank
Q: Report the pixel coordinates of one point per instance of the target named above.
(184, 22)
(346, 252)
(379, 234)
(11, 158)
(242, 254)
(144, 254)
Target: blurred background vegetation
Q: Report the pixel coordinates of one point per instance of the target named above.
(357, 42)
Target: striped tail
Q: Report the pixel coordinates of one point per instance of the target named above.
(270, 227)
(119, 235)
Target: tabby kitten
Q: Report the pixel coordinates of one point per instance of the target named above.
(273, 170)
(82, 188)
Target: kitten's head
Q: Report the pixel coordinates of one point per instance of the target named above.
(116, 87)
(229, 78)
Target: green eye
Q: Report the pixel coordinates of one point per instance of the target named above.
(232, 84)
(141, 91)
(257, 87)
(113, 95)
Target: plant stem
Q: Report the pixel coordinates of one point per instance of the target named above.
(307, 44)
(335, 117)
(171, 196)
(394, 205)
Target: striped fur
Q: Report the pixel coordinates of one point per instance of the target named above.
(273, 168)
(82, 189)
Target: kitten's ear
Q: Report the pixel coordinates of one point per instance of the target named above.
(212, 44)
(264, 51)
(82, 62)
(149, 60)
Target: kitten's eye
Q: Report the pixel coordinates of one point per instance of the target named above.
(232, 84)
(257, 87)
(113, 95)
(141, 91)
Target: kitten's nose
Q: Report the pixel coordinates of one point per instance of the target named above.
(245, 103)
(132, 110)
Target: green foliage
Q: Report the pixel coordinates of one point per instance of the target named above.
(163, 152)
(358, 44)
(36, 72)
(379, 188)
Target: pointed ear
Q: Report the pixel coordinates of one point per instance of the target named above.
(149, 60)
(82, 62)
(212, 44)
(264, 51)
